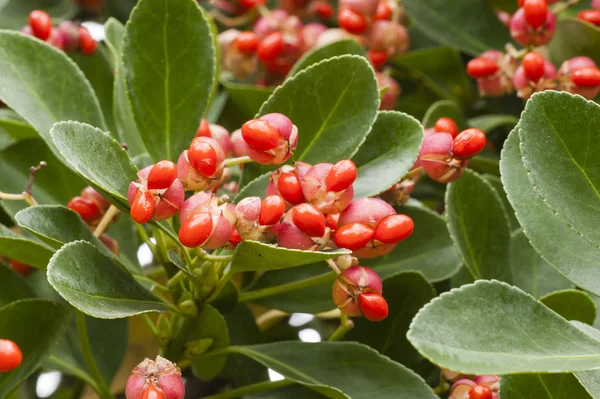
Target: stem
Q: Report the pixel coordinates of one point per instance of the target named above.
(220, 285)
(150, 325)
(238, 161)
(333, 266)
(86, 349)
(106, 220)
(279, 289)
(175, 239)
(214, 258)
(73, 370)
(345, 325)
(253, 388)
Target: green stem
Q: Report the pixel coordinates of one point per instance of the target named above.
(345, 325)
(61, 365)
(175, 239)
(220, 285)
(238, 161)
(214, 258)
(253, 388)
(279, 289)
(86, 349)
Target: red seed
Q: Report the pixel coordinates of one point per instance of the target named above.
(446, 125)
(352, 21)
(353, 236)
(234, 237)
(536, 12)
(468, 143)
(341, 176)
(332, 221)
(384, 11)
(480, 392)
(10, 356)
(196, 229)
(142, 207)
(533, 65)
(394, 228)
(378, 58)
(272, 209)
(373, 306)
(586, 77)
(290, 189)
(41, 24)
(309, 220)
(152, 393)
(481, 67)
(251, 3)
(591, 16)
(87, 44)
(260, 134)
(203, 157)
(88, 209)
(21, 268)
(162, 175)
(203, 129)
(270, 47)
(247, 42)
(324, 10)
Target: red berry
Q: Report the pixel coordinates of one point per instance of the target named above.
(480, 392)
(332, 221)
(536, 12)
(324, 10)
(41, 24)
(446, 125)
(21, 268)
(373, 306)
(586, 77)
(481, 67)
(384, 11)
(272, 209)
(203, 157)
(10, 356)
(203, 129)
(196, 229)
(378, 58)
(591, 16)
(234, 237)
(152, 393)
(88, 209)
(260, 134)
(290, 189)
(87, 44)
(251, 3)
(353, 236)
(246, 42)
(309, 220)
(270, 47)
(394, 228)
(91, 194)
(533, 65)
(352, 21)
(162, 175)
(468, 143)
(341, 176)
(142, 207)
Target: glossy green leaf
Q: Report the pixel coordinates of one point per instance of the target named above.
(169, 78)
(292, 391)
(444, 108)
(243, 103)
(339, 369)
(498, 329)
(210, 324)
(572, 305)
(387, 154)
(482, 164)
(97, 157)
(470, 25)
(542, 386)
(575, 38)
(35, 325)
(510, 212)
(479, 227)
(589, 379)
(341, 47)
(405, 294)
(254, 188)
(12, 286)
(530, 272)
(16, 126)
(44, 86)
(488, 123)
(24, 249)
(94, 284)
(254, 255)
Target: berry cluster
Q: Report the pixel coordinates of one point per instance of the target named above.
(155, 379)
(67, 36)
(480, 387)
(10, 356)
(526, 72)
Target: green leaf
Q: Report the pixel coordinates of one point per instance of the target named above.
(16, 126)
(341, 47)
(243, 103)
(92, 283)
(530, 272)
(405, 294)
(488, 123)
(97, 157)
(486, 165)
(210, 324)
(542, 386)
(478, 226)
(254, 188)
(510, 212)
(23, 249)
(339, 369)
(170, 68)
(470, 25)
(35, 325)
(589, 379)
(572, 305)
(253, 255)
(387, 154)
(575, 38)
(493, 328)
(12, 286)
(444, 108)
(43, 85)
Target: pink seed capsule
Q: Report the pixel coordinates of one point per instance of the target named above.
(159, 374)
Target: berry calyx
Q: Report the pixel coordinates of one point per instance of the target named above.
(21, 268)
(290, 189)
(535, 12)
(152, 393)
(446, 125)
(162, 175)
(41, 24)
(272, 209)
(586, 77)
(481, 67)
(341, 176)
(203, 129)
(353, 236)
(196, 229)
(384, 11)
(247, 42)
(352, 21)
(468, 143)
(10, 356)
(270, 47)
(143, 207)
(378, 58)
(309, 220)
(203, 157)
(373, 306)
(480, 392)
(533, 65)
(87, 44)
(260, 134)
(88, 209)
(591, 16)
(394, 228)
